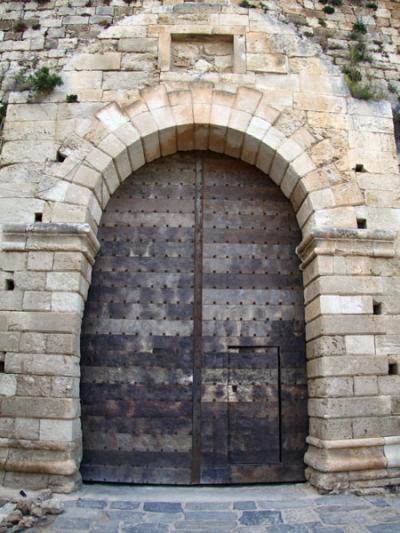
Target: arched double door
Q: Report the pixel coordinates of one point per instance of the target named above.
(193, 363)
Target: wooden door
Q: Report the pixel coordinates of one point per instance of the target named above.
(254, 419)
(193, 367)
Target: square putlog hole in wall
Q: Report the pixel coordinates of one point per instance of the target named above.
(202, 53)
(9, 285)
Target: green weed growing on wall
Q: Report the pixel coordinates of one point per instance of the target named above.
(44, 81)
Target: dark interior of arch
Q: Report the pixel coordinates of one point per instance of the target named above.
(193, 352)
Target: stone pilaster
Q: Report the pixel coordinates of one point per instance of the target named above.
(343, 317)
(48, 267)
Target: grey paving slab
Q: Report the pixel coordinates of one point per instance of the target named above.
(111, 527)
(163, 518)
(245, 505)
(162, 507)
(240, 509)
(203, 524)
(256, 518)
(125, 505)
(289, 503)
(377, 502)
(299, 516)
(145, 528)
(133, 517)
(318, 528)
(210, 516)
(342, 517)
(288, 528)
(208, 506)
(385, 528)
(342, 500)
(91, 504)
(70, 523)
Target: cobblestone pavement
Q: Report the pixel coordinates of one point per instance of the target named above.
(275, 509)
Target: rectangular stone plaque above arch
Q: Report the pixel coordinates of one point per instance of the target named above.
(173, 39)
(202, 53)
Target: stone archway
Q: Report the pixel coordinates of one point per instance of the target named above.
(340, 327)
(238, 124)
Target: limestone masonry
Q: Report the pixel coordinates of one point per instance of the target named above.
(154, 79)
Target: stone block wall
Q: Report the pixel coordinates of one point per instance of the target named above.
(39, 383)
(281, 105)
(51, 31)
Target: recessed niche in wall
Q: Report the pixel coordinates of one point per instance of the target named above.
(204, 53)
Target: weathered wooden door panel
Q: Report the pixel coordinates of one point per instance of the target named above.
(253, 406)
(138, 333)
(193, 366)
(253, 318)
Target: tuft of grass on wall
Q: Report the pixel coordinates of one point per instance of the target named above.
(19, 26)
(44, 81)
(71, 98)
(359, 27)
(354, 88)
(39, 82)
(246, 4)
(358, 53)
(352, 73)
(362, 91)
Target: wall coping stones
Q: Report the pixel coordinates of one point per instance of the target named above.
(346, 241)
(51, 237)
